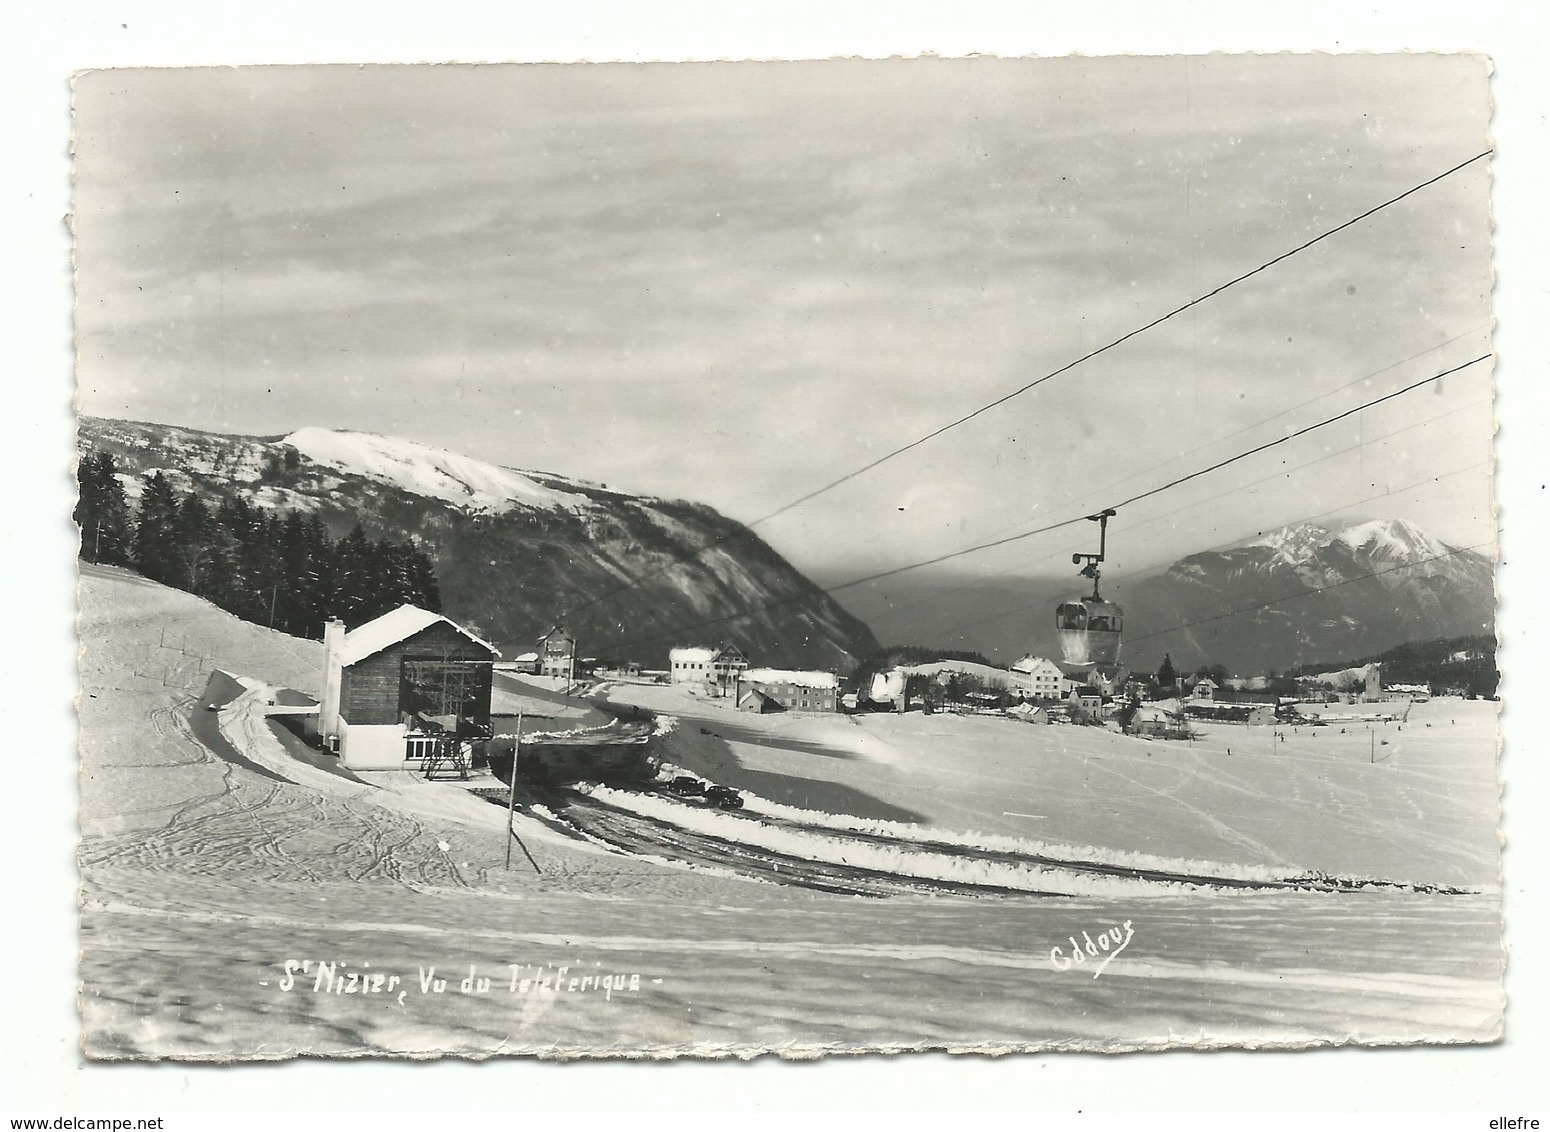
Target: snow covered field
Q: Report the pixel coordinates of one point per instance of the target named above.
(1309, 798)
(207, 883)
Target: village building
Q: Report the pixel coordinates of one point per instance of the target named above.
(751, 699)
(728, 664)
(1242, 707)
(712, 671)
(1372, 683)
(1085, 704)
(1029, 713)
(407, 672)
(690, 664)
(527, 664)
(778, 689)
(898, 689)
(1042, 678)
(557, 654)
(1205, 689)
(1158, 723)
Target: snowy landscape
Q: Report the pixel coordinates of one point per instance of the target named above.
(208, 866)
(585, 563)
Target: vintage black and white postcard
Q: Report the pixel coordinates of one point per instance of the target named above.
(707, 559)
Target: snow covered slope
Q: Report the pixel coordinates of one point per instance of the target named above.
(421, 469)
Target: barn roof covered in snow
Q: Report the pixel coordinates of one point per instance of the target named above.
(391, 628)
(790, 676)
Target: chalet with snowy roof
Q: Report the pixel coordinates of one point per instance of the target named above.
(408, 672)
(557, 654)
(780, 689)
(712, 671)
(528, 664)
(1205, 689)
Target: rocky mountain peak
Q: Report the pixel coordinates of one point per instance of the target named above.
(1393, 540)
(1297, 543)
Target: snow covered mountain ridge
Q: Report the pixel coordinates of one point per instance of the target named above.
(1304, 593)
(1394, 540)
(514, 550)
(425, 470)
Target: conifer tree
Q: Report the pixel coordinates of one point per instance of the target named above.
(423, 571)
(281, 570)
(353, 583)
(153, 548)
(102, 512)
(192, 534)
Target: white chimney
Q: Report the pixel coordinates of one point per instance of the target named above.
(333, 650)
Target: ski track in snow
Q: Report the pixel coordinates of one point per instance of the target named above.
(1228, 833)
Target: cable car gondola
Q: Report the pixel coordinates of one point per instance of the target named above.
(1089, 628)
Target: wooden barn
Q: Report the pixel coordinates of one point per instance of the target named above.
(408, 673)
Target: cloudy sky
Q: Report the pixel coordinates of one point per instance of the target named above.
(737, 282)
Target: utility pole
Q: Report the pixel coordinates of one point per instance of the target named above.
(511, 802)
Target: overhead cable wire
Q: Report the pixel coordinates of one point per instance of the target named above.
(818, 591)
(951, 630)
(1003, 399)
(1300, 432)
(1121, 340)
(992, 543)
(1277, 474)
(1282, 412)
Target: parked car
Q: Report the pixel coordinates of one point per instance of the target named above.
(724, 798)
(686, 786)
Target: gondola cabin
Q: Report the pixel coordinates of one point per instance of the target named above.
(1089, 630)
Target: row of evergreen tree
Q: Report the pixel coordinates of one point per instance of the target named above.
(278, 569)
